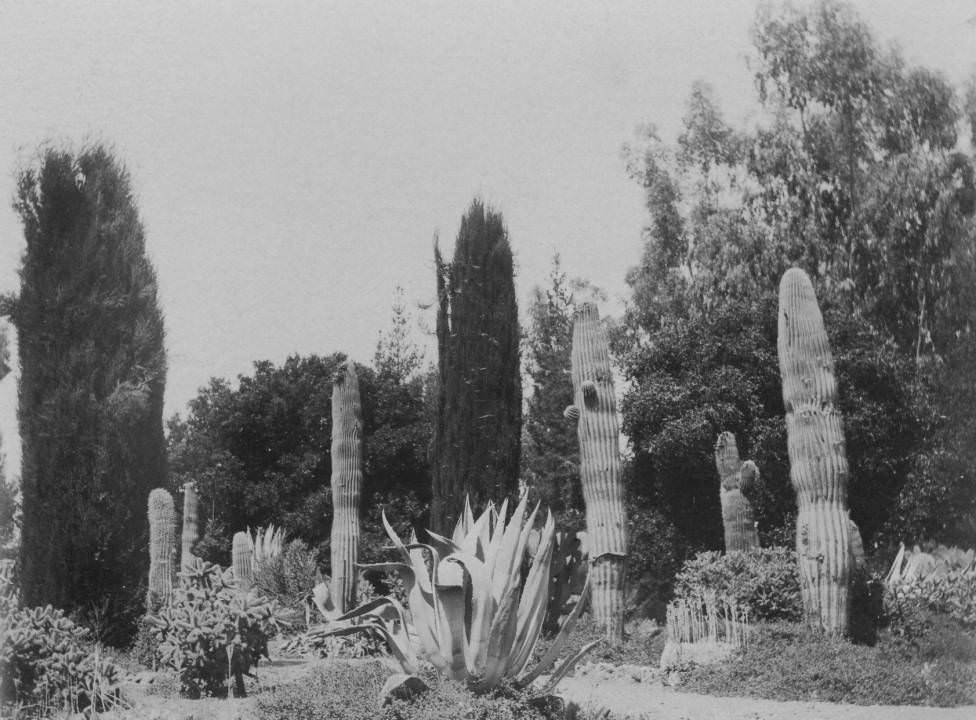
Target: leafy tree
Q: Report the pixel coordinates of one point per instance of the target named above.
(397, 357)
(854, 177)
(8, 492)
(550, 448)
(477, 433)
(260, 453)
(93, 370)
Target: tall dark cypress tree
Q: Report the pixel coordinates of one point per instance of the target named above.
(93, 371)
(477, 433)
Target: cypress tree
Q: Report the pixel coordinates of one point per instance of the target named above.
(93, 371)
(477, 431)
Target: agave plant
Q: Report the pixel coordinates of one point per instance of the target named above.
(471, 614)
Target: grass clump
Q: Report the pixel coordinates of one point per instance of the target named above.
(351, 692)
(790, 662)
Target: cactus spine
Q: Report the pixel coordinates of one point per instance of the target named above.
(735, 476)
(162, 549)
(595, 414)
(191, 530)
(347, 483)
(242, 557)
(818, 462)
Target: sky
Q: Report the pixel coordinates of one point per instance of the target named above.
(293, 161)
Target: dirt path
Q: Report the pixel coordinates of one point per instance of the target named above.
(632, 699)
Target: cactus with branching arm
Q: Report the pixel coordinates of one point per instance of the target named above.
(735, 476)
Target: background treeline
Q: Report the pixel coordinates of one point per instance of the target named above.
(859, 169)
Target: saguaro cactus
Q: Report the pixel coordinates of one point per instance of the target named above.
(191, 531)
(735, 476)
(818, 461)
(242, 558)
(162, 549)
(347, 483)
(595, 414)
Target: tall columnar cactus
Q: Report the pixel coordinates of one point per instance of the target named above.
(347, 483)
(162, 549)
(818, 461)
(735, 477)
(191, 530)
(242, 558)
(595, 414)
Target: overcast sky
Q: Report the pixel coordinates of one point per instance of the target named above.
(293, 160)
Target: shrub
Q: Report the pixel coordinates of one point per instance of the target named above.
(46, 664)
(211, 631)
(351, 692)
(908, 604)
(764, 581)
(790, 662)
(288, 578)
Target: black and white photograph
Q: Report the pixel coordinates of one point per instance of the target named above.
(488, 359)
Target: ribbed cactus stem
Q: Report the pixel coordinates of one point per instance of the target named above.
(347, 483)
(242, 558)
(191, 530)
(162, 549)
(818, 460)
(734, 475)
(603, 492)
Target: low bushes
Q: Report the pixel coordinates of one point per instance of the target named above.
(764, 582)
(211, 631)
(351, 692)
(46, 664)
(788, 662)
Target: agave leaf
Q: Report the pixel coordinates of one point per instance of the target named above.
(469, 543)
(445, 546)
(451, 628)
(322, 598)
(397, 542)
(504, 558)
(566, 667)
(481, 612)
(561, 638)
(534, 601)
(501, 636)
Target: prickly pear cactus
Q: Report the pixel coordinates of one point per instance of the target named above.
(242, 558)
(595, 413)
(818, 460)
(162, 549)
(734, 476)
(191, 530)
(347, 483)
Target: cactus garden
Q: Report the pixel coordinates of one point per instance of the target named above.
(689, 431)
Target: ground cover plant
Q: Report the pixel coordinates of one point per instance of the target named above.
(48, 665)
(351, 692)
(789, 662)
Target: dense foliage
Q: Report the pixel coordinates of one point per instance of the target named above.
(93, 369)
(789, 662)
(260, 453)
(550, 448)
(351, 693)
(765, 583)
(477, 430)
(212, 631)
(854, 174)
(47, 664)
